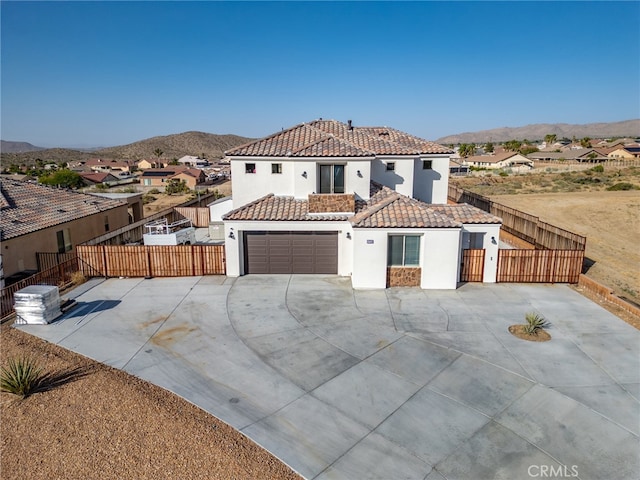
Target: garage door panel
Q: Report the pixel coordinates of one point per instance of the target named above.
(291, 252)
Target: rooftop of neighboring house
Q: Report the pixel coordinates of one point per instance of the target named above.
(492, 158)
(97, 177)
(91, 162)
(164, 172)
(330, 138)
(29, 207)
(386, 208)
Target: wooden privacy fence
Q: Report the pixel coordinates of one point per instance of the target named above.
(59, 275)
(472, 265)
(199, 216)
(527, 227)
(539, 266)
(151, 260)
(134, 231)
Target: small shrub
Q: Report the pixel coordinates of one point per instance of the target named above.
(534, 323)
(22, 376)
(154, 191)
(598, 169)
(621, 186)
(78, 278)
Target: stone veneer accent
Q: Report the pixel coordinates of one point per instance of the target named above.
(403, 276)
(332, 202)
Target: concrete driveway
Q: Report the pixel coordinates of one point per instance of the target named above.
(389, 384)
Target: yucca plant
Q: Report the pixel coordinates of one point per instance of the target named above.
(534, 323)
(22, 376)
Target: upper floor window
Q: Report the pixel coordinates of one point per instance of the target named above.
(391, 166)
(276, 168)
(427, 164)
(404, 250)
(249, 168)
(331, 179)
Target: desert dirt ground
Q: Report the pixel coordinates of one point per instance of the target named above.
(609, 220)
(163, 201)
(94, 421)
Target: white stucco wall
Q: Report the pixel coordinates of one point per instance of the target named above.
(400, 179)
(431, 186)
(439, 256)
(219, 208)
(299, 177)
(247, 187)
(369, 258)
(440, 249)
(234, 247)
(491, 244)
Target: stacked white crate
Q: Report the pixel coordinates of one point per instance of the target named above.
(37, 304)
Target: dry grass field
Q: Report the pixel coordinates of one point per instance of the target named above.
(609, 220)
(585, 202)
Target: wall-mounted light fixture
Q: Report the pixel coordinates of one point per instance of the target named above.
(493, 240)
(359, 173)
(304, 174)
(349, 235)
(231, 235)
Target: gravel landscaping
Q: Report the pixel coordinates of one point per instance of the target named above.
(94, 421)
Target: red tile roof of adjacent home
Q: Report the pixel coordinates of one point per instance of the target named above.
(29, 207)
(96, 177)
(330, 138)
(385, 209)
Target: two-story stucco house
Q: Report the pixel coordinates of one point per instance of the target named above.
(364, 202)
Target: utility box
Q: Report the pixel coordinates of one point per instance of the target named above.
(37, 304)
(216, 231)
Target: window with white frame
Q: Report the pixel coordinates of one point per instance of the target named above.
(276, 168)
(391, 166)
(331, 179)
(427, 164)
(249, 168)
(404, 250)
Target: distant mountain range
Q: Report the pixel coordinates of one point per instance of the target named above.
(210, 145)
(213, 146)
(627, 128)
(17, 147)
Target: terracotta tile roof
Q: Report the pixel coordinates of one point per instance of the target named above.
(282, 209)
(399, 211)
(330, 138)
(29, 207)
(465, 213)
(385, 209)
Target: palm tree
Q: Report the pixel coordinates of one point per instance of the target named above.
(467, 149)
(158, 153)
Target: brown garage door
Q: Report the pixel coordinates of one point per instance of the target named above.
(291, 252)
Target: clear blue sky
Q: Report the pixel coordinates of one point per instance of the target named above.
(111, 73)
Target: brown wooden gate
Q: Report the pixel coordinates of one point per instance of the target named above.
(541, 266)
(472, 265)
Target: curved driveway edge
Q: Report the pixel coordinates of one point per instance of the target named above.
(396, 383)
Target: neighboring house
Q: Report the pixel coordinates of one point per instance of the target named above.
(457, 167)
(159, 177)
(627, 152)
(147, 164)
(191, 161)
(364, 202)
(513, 160)
(191, 176)
(115, 166)
(96, 178)
(36, 218)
